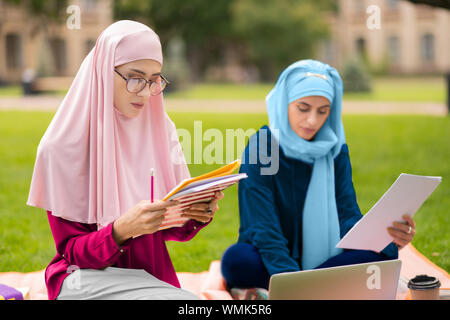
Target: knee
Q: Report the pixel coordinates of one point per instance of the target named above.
(239, 256)
(241, 266)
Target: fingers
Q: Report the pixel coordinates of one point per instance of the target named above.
(403, 232)
(199, 215)
(198, 218)
(202, 206)
(206, 206)
(400, 234)
(404, 228)
(203, 211)
(219, 195)
(409, 220)
(159, 205)
(408, 226)
(213, 204)
(202, 217)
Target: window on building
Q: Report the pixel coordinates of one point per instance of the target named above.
(90, 43)
(360, 44)
(393, 49)
(89, 5)
(392, 4)
(427, 47)
(359, 5)
(59, 52)
(13, 51)
(327, 51)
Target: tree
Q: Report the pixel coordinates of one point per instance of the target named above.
(43, 9)
(203, 26)
(355, 77)
(265, 33)
(434, 3)
(137, 10)
(277, 33)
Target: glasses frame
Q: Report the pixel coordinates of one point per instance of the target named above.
(149, 82)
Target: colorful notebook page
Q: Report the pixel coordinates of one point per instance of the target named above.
(222, 171)
(201, 193)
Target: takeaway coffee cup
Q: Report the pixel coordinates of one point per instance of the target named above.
(424, 287)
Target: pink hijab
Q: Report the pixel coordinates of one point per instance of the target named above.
(93, 163)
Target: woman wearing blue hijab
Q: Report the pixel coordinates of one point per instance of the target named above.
(292, 219)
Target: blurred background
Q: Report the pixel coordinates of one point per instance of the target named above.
(235, 41)
(222, 58)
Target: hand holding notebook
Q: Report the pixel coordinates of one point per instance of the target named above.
(198, 189)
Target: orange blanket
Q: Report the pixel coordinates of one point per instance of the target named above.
(210, 285)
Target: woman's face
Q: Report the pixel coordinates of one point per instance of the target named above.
(307, 115)
(128, 103)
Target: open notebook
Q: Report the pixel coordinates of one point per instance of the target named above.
(199, 189)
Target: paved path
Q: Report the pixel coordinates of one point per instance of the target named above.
(51, 103)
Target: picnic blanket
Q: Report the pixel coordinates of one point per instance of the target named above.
(210, 285)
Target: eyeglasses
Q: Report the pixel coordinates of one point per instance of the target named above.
(135, 85)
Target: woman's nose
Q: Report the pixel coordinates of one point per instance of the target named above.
(145, 92)
(312, 119)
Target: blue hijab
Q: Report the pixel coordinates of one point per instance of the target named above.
(320, 218)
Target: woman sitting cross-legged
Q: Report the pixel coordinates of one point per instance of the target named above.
(292, 219)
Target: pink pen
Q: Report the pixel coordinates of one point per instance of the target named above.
(151, 186)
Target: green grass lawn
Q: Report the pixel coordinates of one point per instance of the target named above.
(381, 147)
(425, 89)
(415, 89)
(10, 91)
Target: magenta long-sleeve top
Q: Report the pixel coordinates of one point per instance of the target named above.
(82, 246)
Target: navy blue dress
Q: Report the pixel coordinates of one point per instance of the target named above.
(270, 209)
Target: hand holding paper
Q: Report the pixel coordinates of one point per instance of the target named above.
(405, 196)
(403, 232)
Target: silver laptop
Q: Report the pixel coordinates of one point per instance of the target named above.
(365, 281)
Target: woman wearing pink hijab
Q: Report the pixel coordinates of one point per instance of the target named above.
(92, 176)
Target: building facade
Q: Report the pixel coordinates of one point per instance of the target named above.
(49, 48)
(394, 35)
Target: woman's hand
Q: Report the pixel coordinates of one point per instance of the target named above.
(144, 218)
(403, 233)
(203, 212)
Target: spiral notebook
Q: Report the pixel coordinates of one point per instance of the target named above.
(199, 189)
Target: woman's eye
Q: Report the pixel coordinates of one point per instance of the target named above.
(303, 110)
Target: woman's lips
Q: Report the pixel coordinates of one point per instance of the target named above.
(309, 130)
(138, 105)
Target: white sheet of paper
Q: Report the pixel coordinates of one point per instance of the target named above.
(406, 195)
